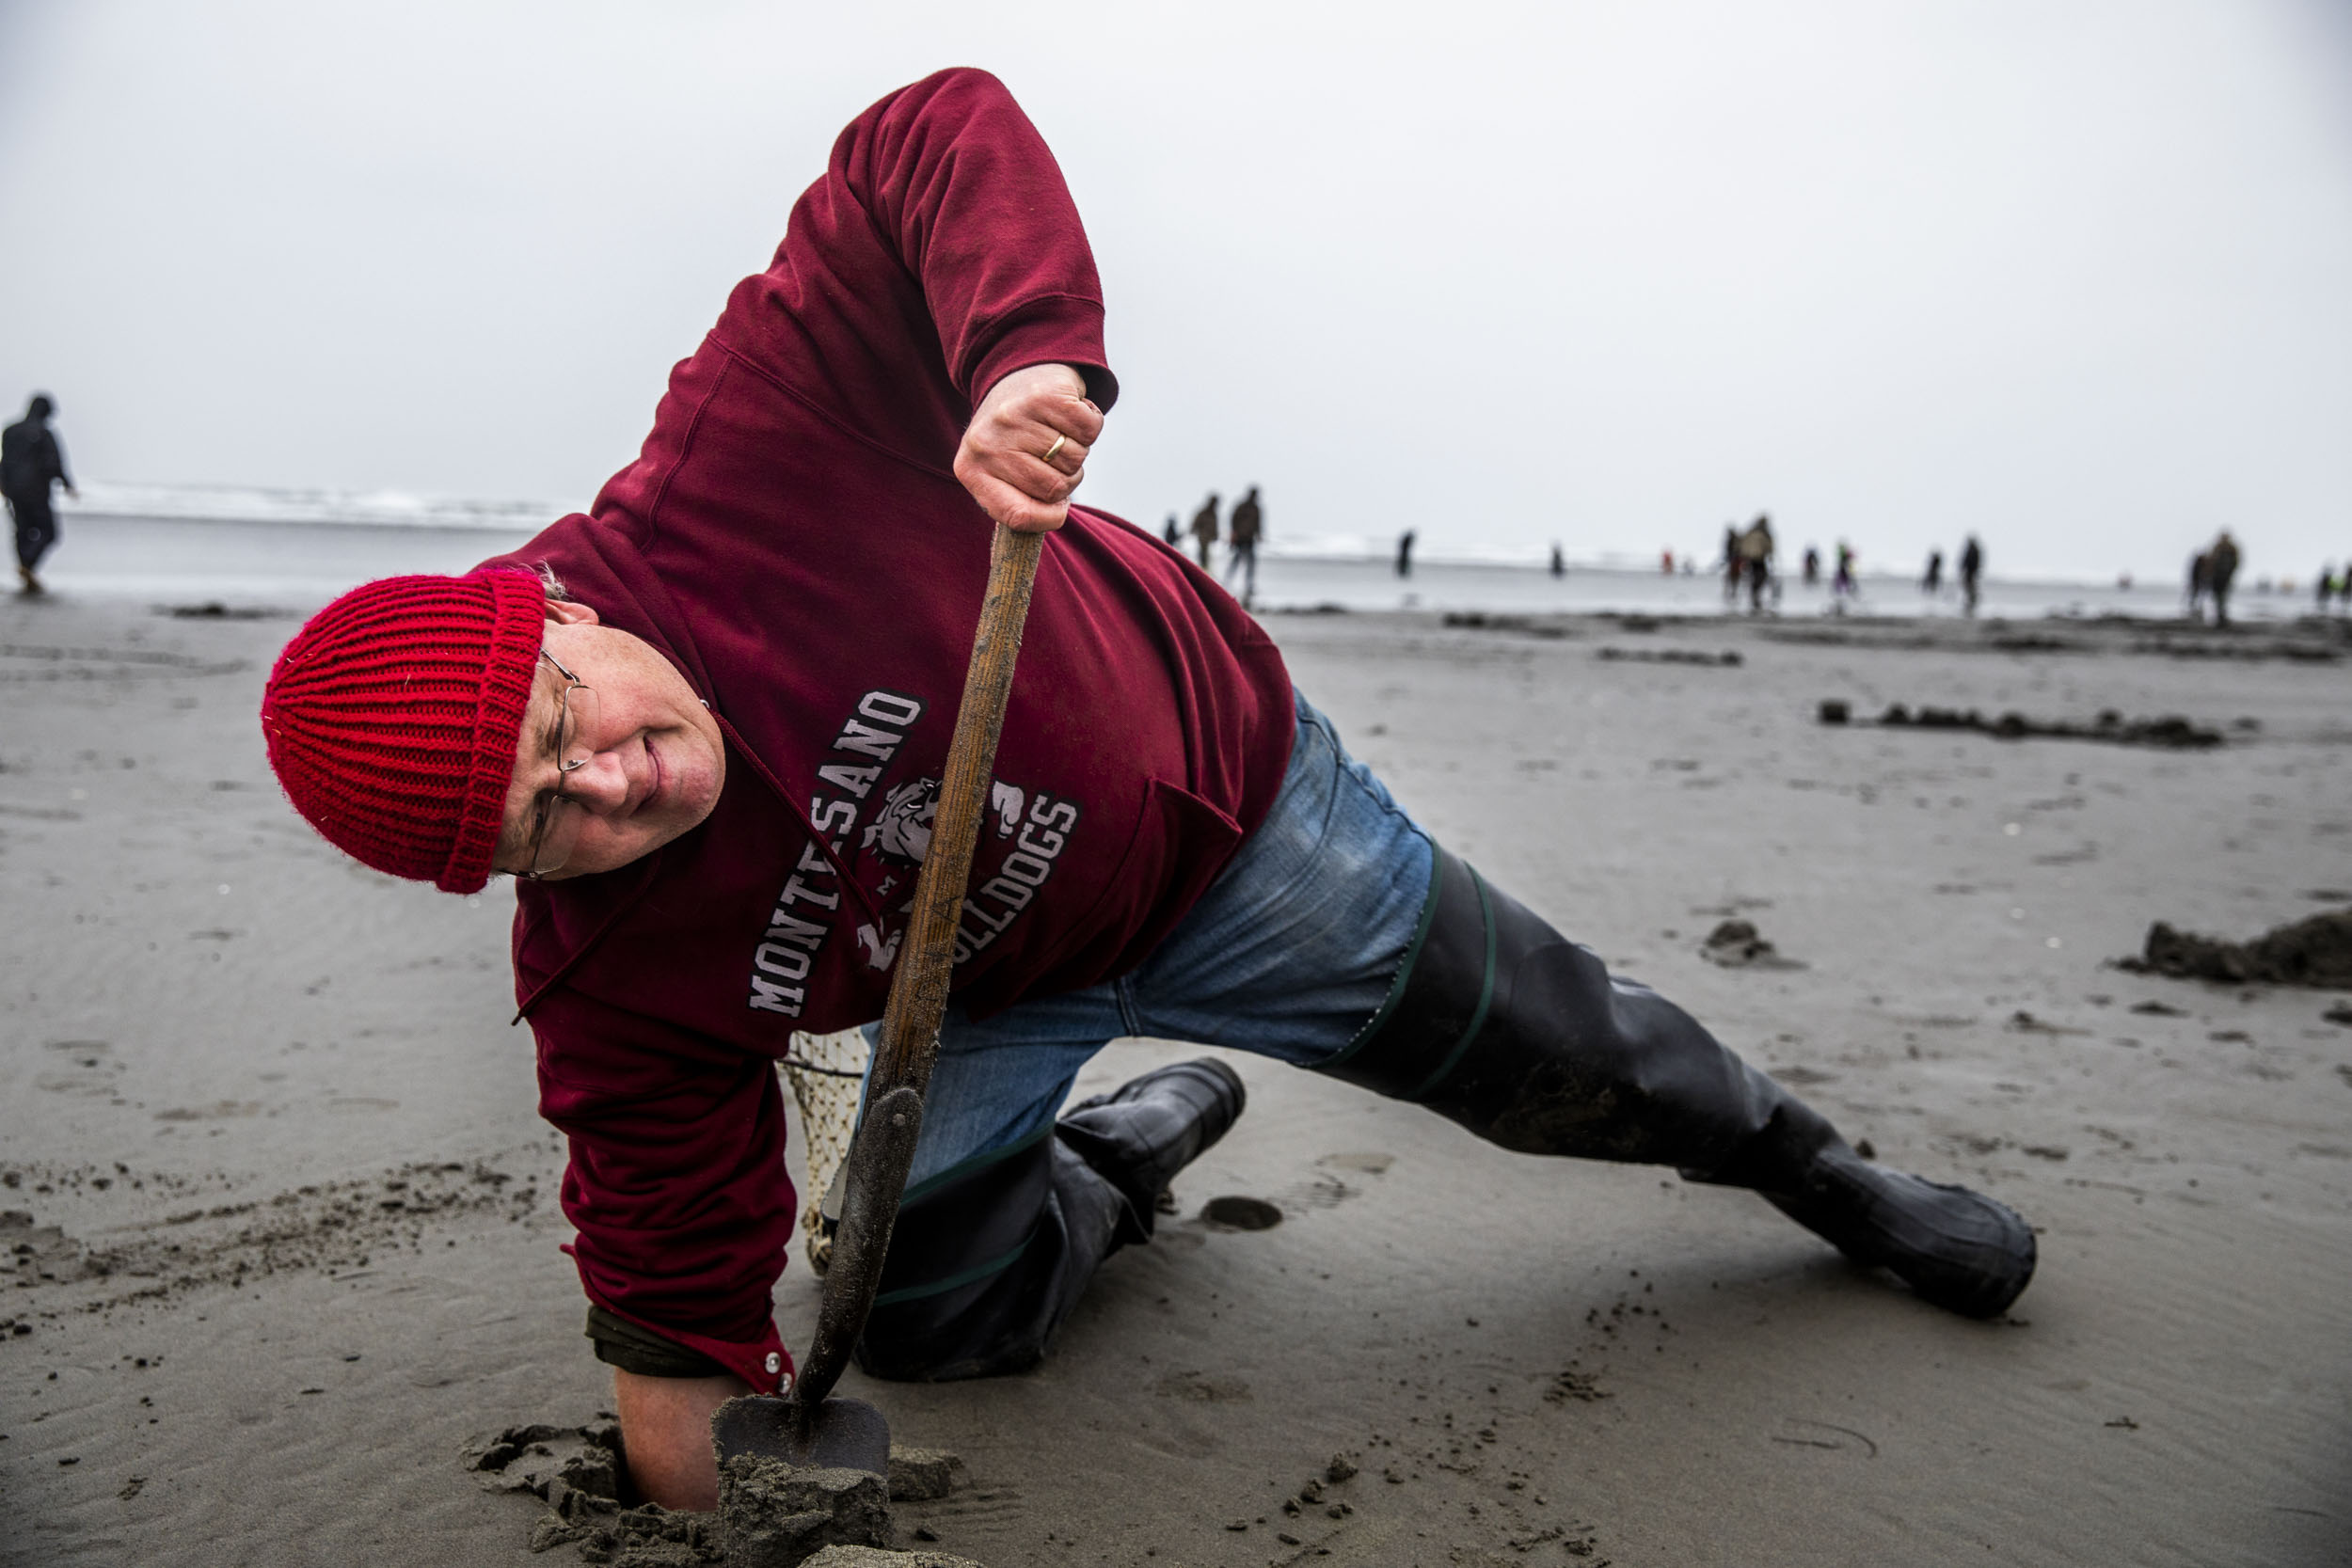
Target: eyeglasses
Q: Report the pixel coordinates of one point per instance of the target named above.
(555, 826)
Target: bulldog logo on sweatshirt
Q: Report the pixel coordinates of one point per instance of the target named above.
(900, 830)
(903, 829)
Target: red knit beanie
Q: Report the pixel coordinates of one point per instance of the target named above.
(392, 716)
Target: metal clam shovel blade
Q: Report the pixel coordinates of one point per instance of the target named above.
(846, 1434)
(810, 1427)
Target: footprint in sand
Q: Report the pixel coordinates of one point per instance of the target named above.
(1201, 1388)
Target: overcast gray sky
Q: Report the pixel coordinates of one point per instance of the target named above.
(2075, 274)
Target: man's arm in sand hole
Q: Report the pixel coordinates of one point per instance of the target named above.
(667, 1425)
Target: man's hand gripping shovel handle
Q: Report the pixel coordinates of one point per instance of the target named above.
(884, 1147)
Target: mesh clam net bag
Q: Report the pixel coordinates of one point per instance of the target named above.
(824, 1073)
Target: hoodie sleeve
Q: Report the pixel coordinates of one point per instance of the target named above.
(939, 251)
(676, 1184)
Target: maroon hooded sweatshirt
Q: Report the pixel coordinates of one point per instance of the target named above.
(794, 539)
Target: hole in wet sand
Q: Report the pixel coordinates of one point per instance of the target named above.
(1241, 1214)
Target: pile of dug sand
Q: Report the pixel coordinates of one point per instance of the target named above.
(769, 1515)
(2317, 951)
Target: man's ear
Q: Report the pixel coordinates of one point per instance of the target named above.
(570, 613)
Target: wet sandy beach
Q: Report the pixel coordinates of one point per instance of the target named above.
(282, 1224)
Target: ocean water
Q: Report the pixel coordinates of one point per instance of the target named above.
(293, 549)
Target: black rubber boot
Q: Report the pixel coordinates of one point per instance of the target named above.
(1503, 1025)
(1141, 1134)
(1954, 1247)
(987, 1258)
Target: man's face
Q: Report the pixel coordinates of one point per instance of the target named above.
(655, 757)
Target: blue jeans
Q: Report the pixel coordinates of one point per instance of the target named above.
(1289, 954)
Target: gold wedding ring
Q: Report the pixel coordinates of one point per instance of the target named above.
(1058, 442)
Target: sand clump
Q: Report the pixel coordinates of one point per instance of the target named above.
(1526, 625)
(922, 1475)
(1730, 658)
(646, 1537)
(771, 1516)
(1738, 945)
(2169, 732)
(577, 1471)
(2316, 951)
(1317, 1496)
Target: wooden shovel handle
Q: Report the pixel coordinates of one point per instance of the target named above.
(918, 992)
(884, 1150)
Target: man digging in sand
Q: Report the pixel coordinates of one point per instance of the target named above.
(704, 725)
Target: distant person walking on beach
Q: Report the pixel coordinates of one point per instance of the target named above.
(30, 462)
(1733, 565)
(1755, 550)
(1971, 571)
(2220, 568)
(1404, 554)
(1812, 567)
(2200, 578)
(1841, 587)
(1560, 561)
(1932, 583)
(1249, 526)
(1205, 530)
(2326, 585)
(1171, 532)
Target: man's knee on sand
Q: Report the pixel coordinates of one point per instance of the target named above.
(986, 1261)
(989, 1259)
